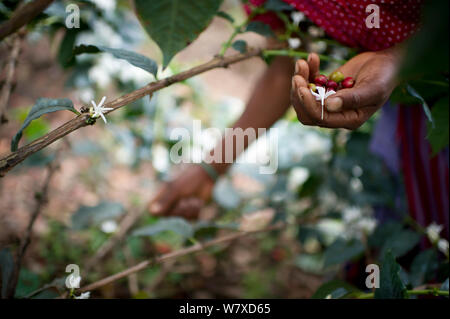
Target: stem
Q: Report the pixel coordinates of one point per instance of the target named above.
(434, 292)
(299, 54)
(238, 29)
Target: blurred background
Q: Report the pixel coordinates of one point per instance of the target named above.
(106, 174)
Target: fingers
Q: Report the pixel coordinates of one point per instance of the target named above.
(164, 200)
(349, 119)
(314, 66)
(302, 69)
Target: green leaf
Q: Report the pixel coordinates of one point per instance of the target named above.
(65, 56)
(438, 135)
(225, 16)
(175, 224)
(174, 24)
(424, 267)
(392, 236)
(335, 288)
(6, 269)
(444, 285)
(400, 243)
(391, 285)
(88, 216)
(383, 232)
(426, 52)
(426, 108)
(277, 5)
(42, 106)
(341, 251)
(260, 28)
(240, 45)
(133, 58)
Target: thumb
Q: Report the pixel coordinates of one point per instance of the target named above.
(353, 98)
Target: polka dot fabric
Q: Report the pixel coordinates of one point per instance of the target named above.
(345, 21)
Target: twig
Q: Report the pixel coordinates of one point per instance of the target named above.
(22, 16)
(10, 70)
(11, 160)
(178, 253)
(41, 200)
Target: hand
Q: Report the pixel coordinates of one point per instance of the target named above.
(185, 195)
(374, 74)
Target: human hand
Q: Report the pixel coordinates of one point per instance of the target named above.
(185, 195)
(375, 78)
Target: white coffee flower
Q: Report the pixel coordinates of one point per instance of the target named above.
(367, 225)
(433, 231)
(84, 295)
(98, 110)
(294, 43)
(73, 282)
(322, 95)
(443, 246)
(297, 17)
(108, 226)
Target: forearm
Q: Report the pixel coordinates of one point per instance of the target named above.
(268, 103)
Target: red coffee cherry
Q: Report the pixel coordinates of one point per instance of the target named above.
(331, 85)
(348, 82)
(321, 80)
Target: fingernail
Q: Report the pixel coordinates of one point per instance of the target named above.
(296, 68)
(334, 104)
(309, 58)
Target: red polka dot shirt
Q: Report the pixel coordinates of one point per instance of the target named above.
(345, 21)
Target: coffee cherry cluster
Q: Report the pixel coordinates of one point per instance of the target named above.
(336, 82)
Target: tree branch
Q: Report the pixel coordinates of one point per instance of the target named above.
(13, 159)
(41, 200)
(10, 70)
(22, 16)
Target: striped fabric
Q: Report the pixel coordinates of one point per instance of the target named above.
(425, 176)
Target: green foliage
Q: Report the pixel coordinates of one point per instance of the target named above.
(438, 134)
(392, 237)
(424, 267)
(88, 216)
(444, 285)
(42, 106)
(133, 58)
(240, 45)
(277, 5)
(226, 16)
(6, 269)
(342, 251)
(260, 28)
(174, 24)
(391, 285)
(175, 224)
